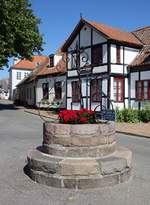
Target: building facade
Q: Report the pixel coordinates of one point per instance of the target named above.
(46, 86)
(20, 70)
(103, 68)
(102, 54)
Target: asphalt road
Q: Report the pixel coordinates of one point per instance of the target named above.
(20, 132)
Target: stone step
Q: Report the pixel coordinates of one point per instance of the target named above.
(84, 182)
(116, 162)
(76, 151)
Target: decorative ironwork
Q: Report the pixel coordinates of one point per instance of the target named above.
(80, 56)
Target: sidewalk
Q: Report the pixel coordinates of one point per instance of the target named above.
(42, 113)
(136, 129)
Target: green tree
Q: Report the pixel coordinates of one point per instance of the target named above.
(19, 33)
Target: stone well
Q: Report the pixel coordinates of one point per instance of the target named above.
(79, 156)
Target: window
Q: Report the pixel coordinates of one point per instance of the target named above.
(45, 90)
(143, 90)
(76, 94)
(96, 90)
(18, 76)
(58, 90)
(51, 59)
(117, 54)
(25, 74)
(97, 54)
(118, 89)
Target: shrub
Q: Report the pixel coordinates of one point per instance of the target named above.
(145, 115)
(76, 116)
(133, 116)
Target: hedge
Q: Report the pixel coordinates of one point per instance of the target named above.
(133, 116)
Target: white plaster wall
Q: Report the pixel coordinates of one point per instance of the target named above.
(125, 69)
(134, 104)
(75, 106)
(51, 81)
(94, 105)
(145, 75)
(117, 69)
(119, 106)
(133, 78)
(129, 54)
(121, 54)
(13, 78)
(126, 103)
(69, 104)
(100, 69)
(69, 61)
(113, 53)
(74, 43)
(111, 88)
(126, 87)
(69, 89)
(85, 36)
(72, 73)
(85, 57)
(105, 53)
(98, 38)
(84, 83)
(104, 86)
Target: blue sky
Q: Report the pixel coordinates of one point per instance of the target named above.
(58, 18)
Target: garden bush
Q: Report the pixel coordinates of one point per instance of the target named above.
(133, 116)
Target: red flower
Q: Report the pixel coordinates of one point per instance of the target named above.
(76, 116)
(84, 120)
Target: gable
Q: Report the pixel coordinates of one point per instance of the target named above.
(105, 32)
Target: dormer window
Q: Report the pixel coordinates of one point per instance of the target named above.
(51, 59)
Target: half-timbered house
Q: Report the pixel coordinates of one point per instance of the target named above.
(98, 56)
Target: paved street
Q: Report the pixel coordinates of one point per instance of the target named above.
(20, 131)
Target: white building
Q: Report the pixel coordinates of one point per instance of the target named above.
(46, 86)
(112, 65)
(20, 70)
(102, 54)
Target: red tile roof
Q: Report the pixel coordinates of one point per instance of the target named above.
(107, 31)
(115, 33)
(29, 65)
(58, 69)
(44, 70)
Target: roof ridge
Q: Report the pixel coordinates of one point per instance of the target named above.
(145, 27)
(107, 26)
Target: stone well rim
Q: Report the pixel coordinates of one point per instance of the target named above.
(82, 124)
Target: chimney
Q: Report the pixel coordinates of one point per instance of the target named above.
(16, 60)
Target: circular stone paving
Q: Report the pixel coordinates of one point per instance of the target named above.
(79, 156)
